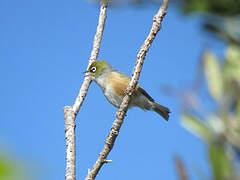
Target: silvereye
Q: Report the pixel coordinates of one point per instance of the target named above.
(114, 83)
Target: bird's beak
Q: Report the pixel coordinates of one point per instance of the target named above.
(87, 74)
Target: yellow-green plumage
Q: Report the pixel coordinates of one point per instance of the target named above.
(114, 83)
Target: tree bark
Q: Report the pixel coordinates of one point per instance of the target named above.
(70, 112)
(109, 143)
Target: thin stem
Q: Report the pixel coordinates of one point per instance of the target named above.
(109, 143)
(71, 112)
(94, 54)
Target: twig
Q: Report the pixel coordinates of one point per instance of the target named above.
(94, 54)
(71, 112)
(129, 91)
(181, 168)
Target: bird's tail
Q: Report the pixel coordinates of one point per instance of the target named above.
(161, 110)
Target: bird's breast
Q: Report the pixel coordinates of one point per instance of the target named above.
(101, 81)
(112, 97)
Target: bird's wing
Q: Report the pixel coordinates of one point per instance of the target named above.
(118, 81)
(143, 92)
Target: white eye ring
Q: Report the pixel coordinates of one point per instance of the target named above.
(93, 69)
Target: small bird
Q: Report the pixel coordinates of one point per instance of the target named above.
(113, 84)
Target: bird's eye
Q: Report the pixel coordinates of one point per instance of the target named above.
(93, 69)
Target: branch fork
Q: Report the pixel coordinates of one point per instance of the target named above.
(71, 112)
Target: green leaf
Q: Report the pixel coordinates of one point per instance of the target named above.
(216, 124)
(196, 127)
(221, 165)
(214, 76)
(11, 169)
(219, 7)
(233, 63)
(7, 169)
(238, 110)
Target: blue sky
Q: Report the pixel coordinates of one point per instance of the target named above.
(45, 47)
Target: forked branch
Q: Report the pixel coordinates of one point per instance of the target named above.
(71, 112)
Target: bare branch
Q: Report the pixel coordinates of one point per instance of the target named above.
(129, 91)
(181, 168)
(70, 112)
(94, 54)
(70, 143)
(108, 161)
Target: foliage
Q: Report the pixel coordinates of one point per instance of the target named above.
(9, 169)
(220, 128)
(219, 7)
(220, 17)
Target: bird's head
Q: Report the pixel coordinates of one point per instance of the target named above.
(98, 68)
